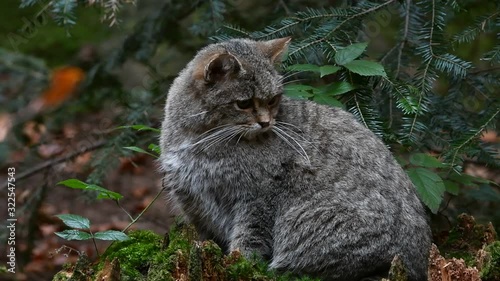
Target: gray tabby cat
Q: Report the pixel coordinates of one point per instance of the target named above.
(303, 185)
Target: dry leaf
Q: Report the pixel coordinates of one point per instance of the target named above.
(64, 82)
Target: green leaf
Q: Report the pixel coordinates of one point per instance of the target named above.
(73, 183)
(74, 221)
(299, 91)
(328, 69)
(328, 100)
(73, 234)
(138, 149)
(425, 160)
(350, 53)
(451, 187)
(401, 161)
(111, 235)
(155, 148)
(429, 186)
(338, 88)
(468, 180)
(304, 67)
(140, 128)
(366, 68)
(485, 193)
(103, 193)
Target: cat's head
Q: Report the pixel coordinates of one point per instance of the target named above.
(231, 88)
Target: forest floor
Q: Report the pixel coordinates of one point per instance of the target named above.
(40, 253)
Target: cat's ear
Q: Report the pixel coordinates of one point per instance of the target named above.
(221, 66)
(274, 49)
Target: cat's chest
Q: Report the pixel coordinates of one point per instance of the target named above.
(228, 168)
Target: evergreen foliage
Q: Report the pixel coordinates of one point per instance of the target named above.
(408, 109)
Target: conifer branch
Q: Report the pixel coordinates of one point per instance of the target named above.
(425, 73)
(359, 110)
(405, 37)
(479, 131)
(230, 27)
(327, 36)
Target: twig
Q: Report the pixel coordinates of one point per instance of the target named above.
(426, 71)
(123, 209)
(405, 37)
(53, 162)
(33, 218)
(145, 209)
(285, 7)
(95, 243)
(484, 70)
(481, 129)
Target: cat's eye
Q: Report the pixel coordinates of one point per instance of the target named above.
(244, 104)
(274, 101)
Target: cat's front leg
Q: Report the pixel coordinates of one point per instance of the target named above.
(251, 235)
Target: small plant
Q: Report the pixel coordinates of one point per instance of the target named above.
(433, 178)
(346, 60)
(81, 225)
(81, 231)
(153, 147)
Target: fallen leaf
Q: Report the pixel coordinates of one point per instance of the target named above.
(49, 150)
(63, 84)
(5, 125)
(34, 132)
(490, 136)
(140, 192)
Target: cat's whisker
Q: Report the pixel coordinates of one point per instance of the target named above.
(290, 74)
(292, 81)
(285, 136)
(243, 132)
(210, 132)
(281, 136)
(227, 133)
(294, 130)
(198, 114)
(216, 136)
(239, 130)
(221, 139)
(296, 135)
(290, 125)
(209, 137)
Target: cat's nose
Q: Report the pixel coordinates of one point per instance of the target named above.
(263, 124)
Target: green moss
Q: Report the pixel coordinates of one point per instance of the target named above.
(61, 276)
(195, 262)
(397, 271)
(240, 268)
(146, 257)
(490, 270)
(134, 254)
(80, 271)
(213, 260)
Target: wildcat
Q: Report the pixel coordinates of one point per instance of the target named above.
(303, 185)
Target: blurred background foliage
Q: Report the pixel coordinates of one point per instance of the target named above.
(110, 62)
